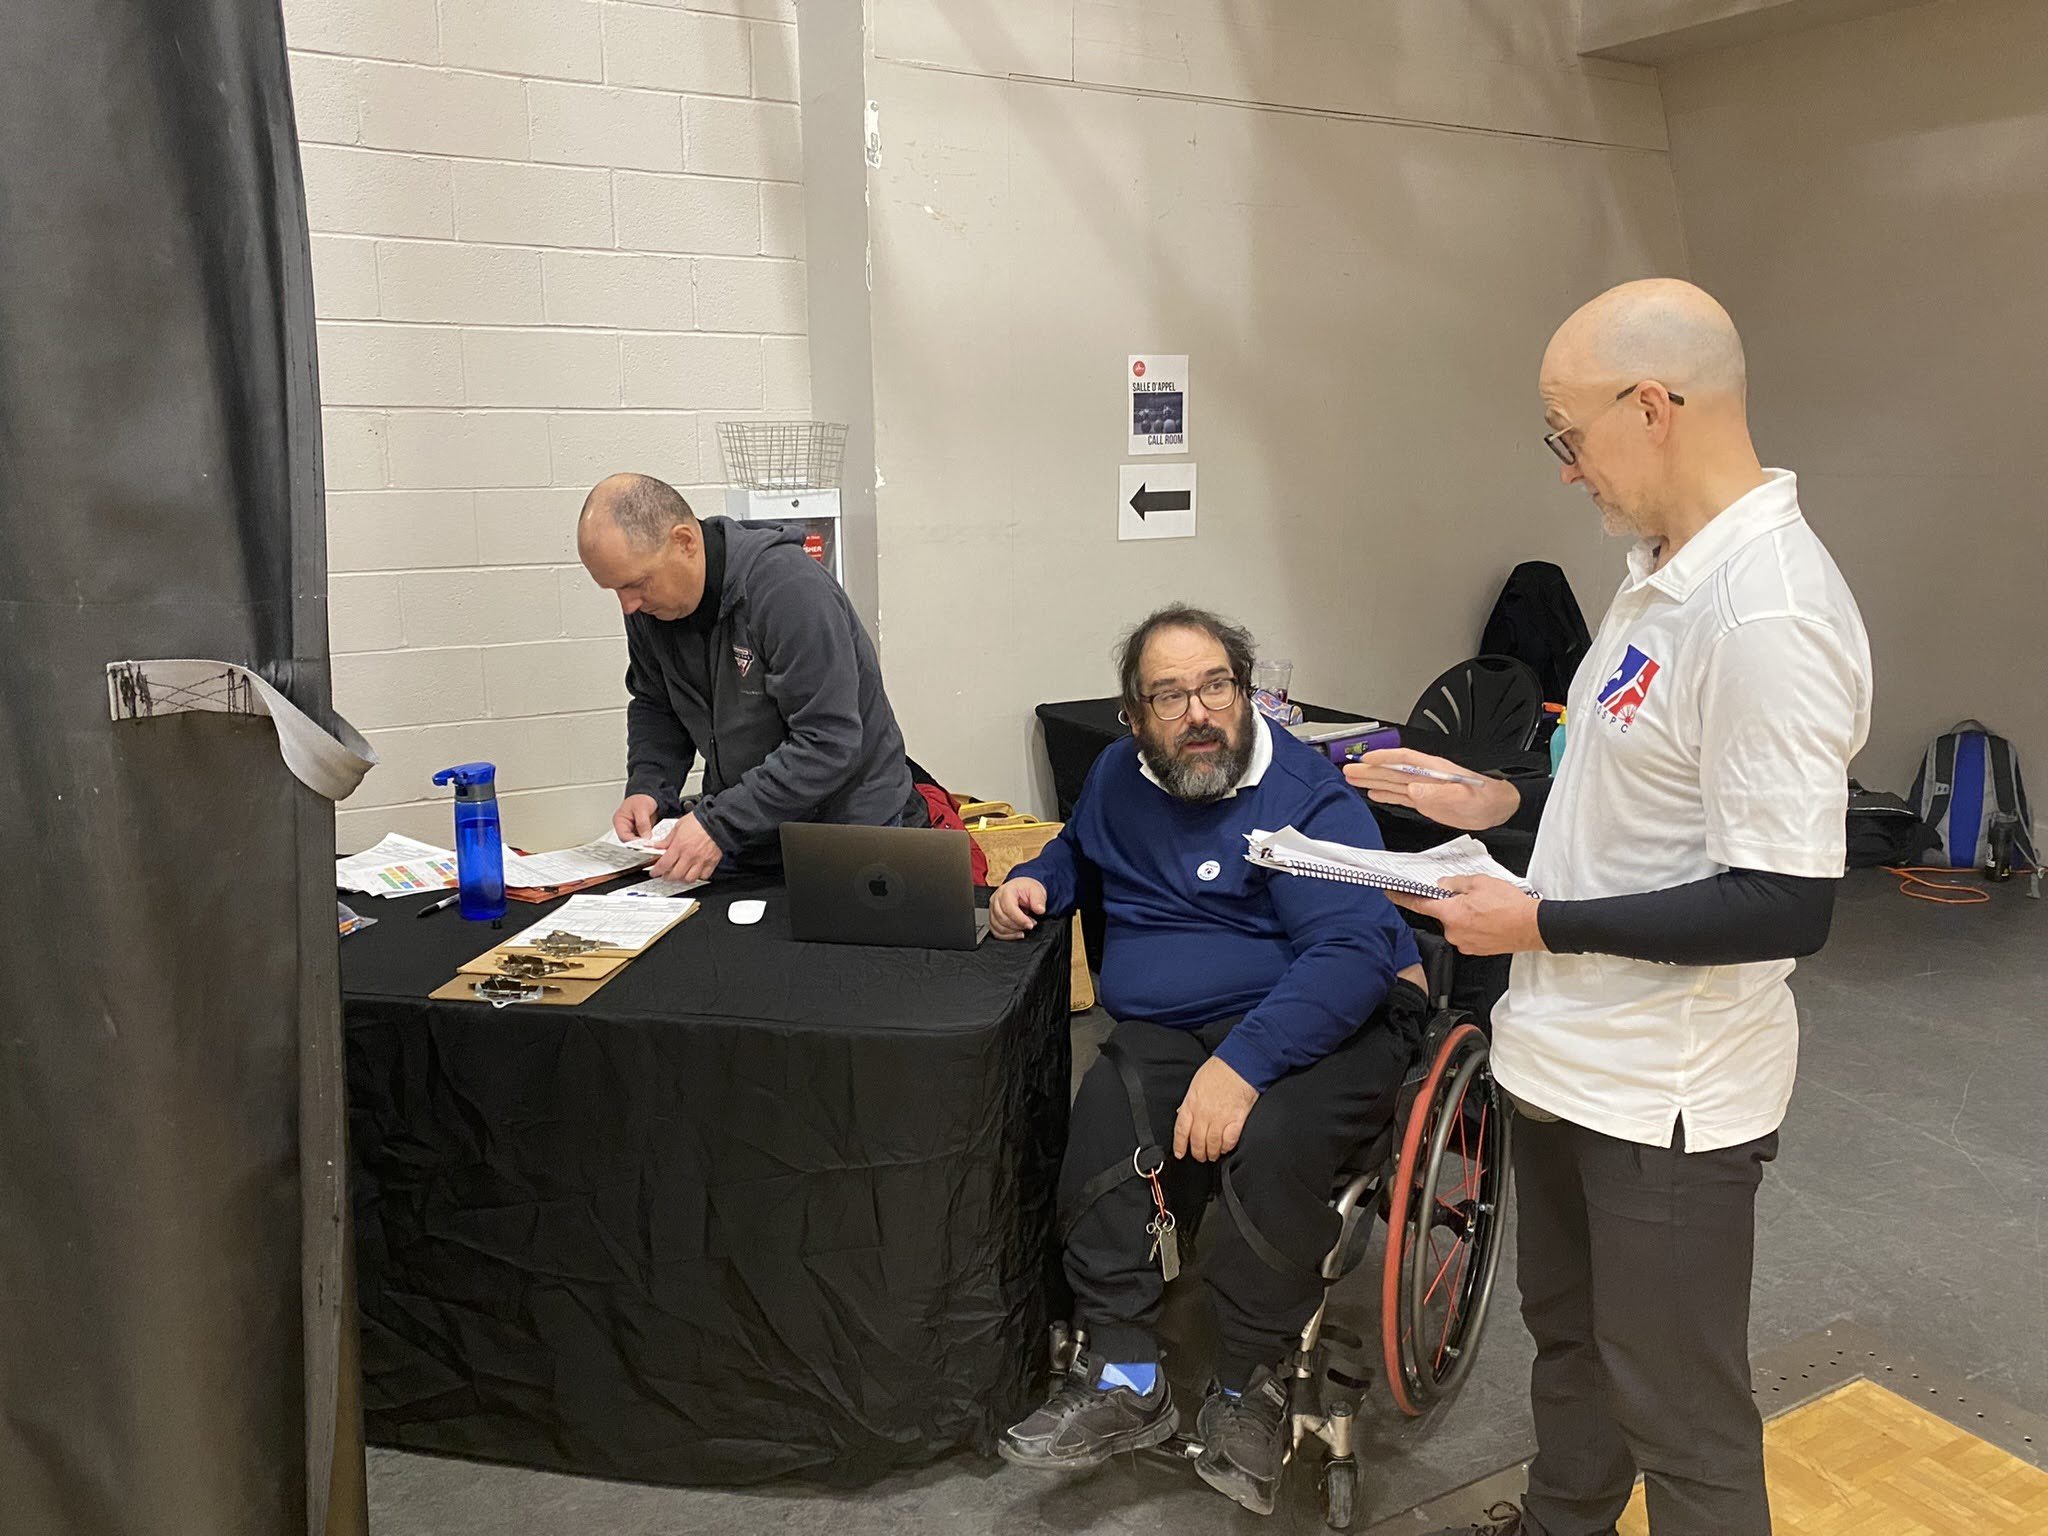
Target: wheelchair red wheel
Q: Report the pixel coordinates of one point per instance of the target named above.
(1445, 1212)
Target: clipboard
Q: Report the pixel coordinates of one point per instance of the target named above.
(556, 993)
(588, 967)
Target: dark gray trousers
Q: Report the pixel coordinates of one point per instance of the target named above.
(1635, 1267)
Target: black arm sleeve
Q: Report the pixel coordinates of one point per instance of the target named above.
(1733, 918)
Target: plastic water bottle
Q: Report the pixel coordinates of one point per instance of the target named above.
(1557, 744)
(479, 850)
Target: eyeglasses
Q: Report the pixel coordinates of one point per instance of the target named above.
(1172, 703)
(1555, 442)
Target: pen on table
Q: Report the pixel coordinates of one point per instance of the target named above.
(434, 906)
(1417, 771)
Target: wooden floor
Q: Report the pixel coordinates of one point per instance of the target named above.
(1863, 1461)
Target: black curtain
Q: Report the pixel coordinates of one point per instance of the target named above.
(176, 1332)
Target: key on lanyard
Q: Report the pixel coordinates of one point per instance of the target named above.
(1165, 1244)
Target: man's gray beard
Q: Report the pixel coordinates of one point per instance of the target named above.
(1200, 781)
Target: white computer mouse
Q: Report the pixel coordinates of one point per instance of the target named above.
(745, 912)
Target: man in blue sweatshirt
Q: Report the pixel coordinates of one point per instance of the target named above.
(1264, 1023)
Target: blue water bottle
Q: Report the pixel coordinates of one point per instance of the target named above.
(479, 851)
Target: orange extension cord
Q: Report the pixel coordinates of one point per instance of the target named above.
(1947, 893)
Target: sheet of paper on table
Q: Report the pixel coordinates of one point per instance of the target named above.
(397, 866)
(662, 888)
(654, 839)
(615, 922)
(606, 855)
(566, 866)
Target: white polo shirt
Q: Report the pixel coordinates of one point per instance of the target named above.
(1710, 728)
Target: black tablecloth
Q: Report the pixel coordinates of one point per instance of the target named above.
(757, 1208)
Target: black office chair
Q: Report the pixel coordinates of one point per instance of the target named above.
(1486, 711)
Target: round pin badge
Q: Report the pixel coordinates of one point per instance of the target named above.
(1210, 870)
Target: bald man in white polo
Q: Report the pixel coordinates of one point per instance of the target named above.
(1687, 852)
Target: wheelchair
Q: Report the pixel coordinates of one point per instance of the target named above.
(1438, 1178)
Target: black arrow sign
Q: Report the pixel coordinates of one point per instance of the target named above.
(1161, 501)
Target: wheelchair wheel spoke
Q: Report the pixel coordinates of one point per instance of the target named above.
(1453, 1311)
(1449, 1259)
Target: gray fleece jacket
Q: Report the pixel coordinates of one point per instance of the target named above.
(776, 685)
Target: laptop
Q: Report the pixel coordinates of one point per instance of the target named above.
(910, 887)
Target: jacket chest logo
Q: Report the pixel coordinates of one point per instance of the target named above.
(743, 659)
(1623, 695)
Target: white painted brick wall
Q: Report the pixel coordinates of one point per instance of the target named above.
(552, 239)
(548, 39)
(593, 125)
(344, 278)
(677, 50)
(540, 367)
(551, 205)
(441, 280)
(399, 530)
(696, 372)
(390, 365)
(701, 214)
(630, 290)
(742, 138)
(367, 192)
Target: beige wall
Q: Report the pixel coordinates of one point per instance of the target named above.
(551, 239)
(1871, 201)
(1361, 225)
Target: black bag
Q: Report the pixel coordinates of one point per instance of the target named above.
(1884, 829)
(1537, 620)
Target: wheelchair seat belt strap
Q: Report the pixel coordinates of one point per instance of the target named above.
(1259, 1243)
(1145, 1163)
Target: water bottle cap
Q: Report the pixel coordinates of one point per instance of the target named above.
(467, 774)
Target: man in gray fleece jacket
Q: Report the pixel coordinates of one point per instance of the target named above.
(742, 649)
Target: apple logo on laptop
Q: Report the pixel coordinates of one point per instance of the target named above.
(876, 886)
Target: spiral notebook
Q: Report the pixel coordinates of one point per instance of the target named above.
(1411, 874)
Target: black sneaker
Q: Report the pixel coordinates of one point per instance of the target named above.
(1244, 1441)
(1083, 1426)
(1500, 1520)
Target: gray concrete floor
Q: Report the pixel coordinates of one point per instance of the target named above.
(1910, 1196)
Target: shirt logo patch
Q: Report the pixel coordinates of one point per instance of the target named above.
(1209, 871)
(1625, 693)
(743, 659)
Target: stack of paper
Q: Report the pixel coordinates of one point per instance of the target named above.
(612, 922)
(1413, 874)
(401, 866)
(398, 866)
(593, 863)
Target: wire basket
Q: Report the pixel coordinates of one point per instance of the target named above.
(783, 455)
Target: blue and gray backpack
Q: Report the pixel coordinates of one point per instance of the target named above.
(1970, 793)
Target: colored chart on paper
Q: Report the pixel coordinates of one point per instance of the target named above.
(428, 875)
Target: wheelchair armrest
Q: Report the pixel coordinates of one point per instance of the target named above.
(1439, 963)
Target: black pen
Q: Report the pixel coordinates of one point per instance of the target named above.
(434, 906)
